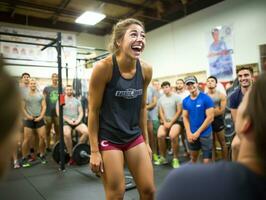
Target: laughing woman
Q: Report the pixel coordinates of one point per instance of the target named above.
(117, 117)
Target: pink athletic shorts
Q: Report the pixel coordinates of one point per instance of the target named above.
(105, 145)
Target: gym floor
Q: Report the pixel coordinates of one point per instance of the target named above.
(45, 182)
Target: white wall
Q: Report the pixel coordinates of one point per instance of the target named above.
(82, 39)
(180, 47)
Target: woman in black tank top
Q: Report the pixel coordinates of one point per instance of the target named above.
(117, 117)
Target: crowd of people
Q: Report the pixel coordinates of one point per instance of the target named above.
(40, 123)
(180, 112)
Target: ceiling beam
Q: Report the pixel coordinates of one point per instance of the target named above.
(177, 12)
(135, 11)
(52, 9)
(59, 9)
(124, 4)
(12, 8)
(41, 7)
(153, 18)
(129, 5)
(72, 13)
(39, 22)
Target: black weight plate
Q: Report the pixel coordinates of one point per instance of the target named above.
(56, 153)
(229, 126)
(78, 157)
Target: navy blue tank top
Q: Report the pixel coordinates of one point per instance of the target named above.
(121, 106)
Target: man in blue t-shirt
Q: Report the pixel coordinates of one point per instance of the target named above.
(198, 114)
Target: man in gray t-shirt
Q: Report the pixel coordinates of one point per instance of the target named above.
(34, 107)
(51, 96)
(170, 107)
(72, 115)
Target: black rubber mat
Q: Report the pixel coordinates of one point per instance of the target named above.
(77, 182)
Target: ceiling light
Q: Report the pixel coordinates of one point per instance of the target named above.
(90, 18)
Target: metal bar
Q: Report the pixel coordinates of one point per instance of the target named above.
(26, 36)
(40, 44)
(86, 48)
(100, 56)
(19, 42)
(92, 48)
(60, 92)
(66, 73)
(33, 60)
(49, 45)
(81, 53)
(86, 59)
(29, 65)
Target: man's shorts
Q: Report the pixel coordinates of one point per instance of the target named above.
(106, 145)
(33, 125)
(155, 125)
(203, 143)
(181, 123)
(72, 126)
(53, 119)
(218, 124)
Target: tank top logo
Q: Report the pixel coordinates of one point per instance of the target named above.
(129, 93)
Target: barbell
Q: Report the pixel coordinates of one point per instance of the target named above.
(81, 155)
(56, 153)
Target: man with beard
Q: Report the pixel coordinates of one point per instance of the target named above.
(245, 78)
(72, 116)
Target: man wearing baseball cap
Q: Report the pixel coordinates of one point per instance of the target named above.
(198, 114)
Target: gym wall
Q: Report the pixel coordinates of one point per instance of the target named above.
(180, 47)
(82, 39)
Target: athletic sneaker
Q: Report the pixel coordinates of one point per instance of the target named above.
(43, 159)
(161, 161)
(25, 163)
(170, 151)
(71, 162)
(16, 165)
(175, 163)
(31, 157)
(155, 157)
